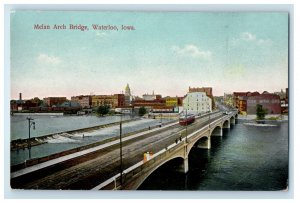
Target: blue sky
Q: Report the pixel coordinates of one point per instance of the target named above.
(167, 52)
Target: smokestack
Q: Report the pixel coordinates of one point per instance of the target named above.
(20, 96)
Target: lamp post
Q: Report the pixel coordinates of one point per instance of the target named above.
(121, 164)
(186, 125)
(30, 123)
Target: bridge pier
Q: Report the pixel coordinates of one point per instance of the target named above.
(184, 168)
(232, 121)
(204, 143)
(217, 132)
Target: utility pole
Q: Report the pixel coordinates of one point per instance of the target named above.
(121, 164)
(186, 125)
(30, 123)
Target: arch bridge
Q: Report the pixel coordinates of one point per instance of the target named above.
(134, 176)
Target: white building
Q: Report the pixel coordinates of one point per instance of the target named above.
(197, 102)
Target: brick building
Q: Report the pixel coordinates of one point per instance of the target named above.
(270, 102)
(85, 101)
(54, 101)
(240, 100)
(114, 101)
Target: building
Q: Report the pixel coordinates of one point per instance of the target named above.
(128, 96)
(114, 101)
(85, 101)
(270, 102)
(240, 100)
(281, 94)
(54, 101)
(17, 105)
(151, 97)
(283, 100)
(197, 102)
(149, 104)
(207, 90)
(171, 101)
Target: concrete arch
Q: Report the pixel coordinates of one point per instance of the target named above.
(226, 124)
(191, 144)
(216, 131)
(146, 175)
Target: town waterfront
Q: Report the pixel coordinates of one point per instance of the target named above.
(245, 158)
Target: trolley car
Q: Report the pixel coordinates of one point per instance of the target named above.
(186, 120)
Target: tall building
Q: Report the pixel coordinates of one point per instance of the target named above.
(207, 90)
(197, 102)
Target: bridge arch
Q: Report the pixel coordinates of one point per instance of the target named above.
(216, 131)
(226, 124)
(142, 179)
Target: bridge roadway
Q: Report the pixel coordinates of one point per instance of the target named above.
(89, 170)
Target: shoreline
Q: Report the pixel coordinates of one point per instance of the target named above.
(253, 117)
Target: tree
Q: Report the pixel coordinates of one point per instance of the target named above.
(260, 112)
(102, 110)
(142, 111)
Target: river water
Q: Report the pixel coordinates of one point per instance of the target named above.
(245, 158)
(56, 124)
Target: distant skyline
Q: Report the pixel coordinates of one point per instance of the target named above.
(166, 53)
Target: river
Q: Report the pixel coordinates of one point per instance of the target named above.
(55, 124)
(246, 158)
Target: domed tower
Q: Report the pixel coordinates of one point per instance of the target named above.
(128, 97)
(127, 90)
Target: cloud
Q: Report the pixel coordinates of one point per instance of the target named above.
(193, 51)
(250, 37)
(100, 34)
(247, 36)
(46, 59)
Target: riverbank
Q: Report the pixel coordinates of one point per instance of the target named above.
(273, 117)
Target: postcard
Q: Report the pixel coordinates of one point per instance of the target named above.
(107, 100)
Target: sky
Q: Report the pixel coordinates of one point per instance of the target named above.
(166, 53)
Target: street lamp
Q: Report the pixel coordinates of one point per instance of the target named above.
(30, 123)
(186, 125)
(121, 167)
